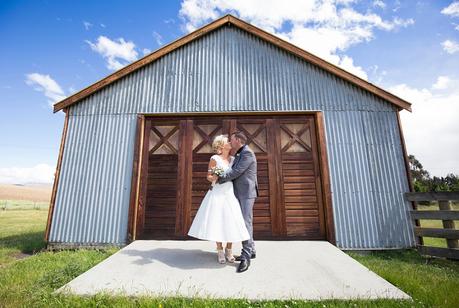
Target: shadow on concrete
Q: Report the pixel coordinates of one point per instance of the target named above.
(178, 258)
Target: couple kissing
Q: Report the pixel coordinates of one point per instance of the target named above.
(226, 212)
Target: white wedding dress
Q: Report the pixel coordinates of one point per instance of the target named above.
(219, 217)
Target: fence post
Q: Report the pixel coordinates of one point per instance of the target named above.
(445, 205)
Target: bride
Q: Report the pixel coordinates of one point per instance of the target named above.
(219, 217)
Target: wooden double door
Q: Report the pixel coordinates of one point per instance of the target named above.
(290, 203)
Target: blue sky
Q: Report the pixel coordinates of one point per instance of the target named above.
(51, 49)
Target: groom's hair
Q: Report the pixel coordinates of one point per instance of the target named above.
(241, 136)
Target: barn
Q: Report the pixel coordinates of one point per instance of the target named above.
(332, 162)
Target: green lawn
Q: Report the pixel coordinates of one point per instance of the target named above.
(27, 281)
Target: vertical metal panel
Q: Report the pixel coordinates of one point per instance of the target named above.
(368, 180)
(231, 70)
(93, 195)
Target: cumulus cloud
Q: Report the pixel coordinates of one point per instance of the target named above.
(41, 173)
(452, 9)
(117, 52)
(442, 83)
(325, 28)
(450, 47)
(47, 85)
(431, 129)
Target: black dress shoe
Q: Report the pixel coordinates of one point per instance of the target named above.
(253, 256)
(243, 266)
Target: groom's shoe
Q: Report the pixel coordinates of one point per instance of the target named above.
(253, 256)
(243, 266)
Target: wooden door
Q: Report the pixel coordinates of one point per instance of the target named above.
(290, 196)
(300, 178)
(161, 195)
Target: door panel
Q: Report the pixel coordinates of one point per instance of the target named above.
(161, 199)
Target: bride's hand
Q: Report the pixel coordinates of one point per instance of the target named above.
(212, 178)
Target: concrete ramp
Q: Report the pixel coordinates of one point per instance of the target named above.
(309, 270)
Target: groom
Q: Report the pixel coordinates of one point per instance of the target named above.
(244, 176)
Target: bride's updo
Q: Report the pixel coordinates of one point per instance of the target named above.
(219, 143)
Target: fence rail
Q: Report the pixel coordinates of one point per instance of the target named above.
(23, 205)
(446, 214)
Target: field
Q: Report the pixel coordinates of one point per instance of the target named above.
(35, 193)
(22, 197)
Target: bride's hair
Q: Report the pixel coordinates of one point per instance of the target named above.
(219, 142)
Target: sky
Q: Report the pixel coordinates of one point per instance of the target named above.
(52, 49)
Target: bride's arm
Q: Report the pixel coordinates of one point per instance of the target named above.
(212, 164)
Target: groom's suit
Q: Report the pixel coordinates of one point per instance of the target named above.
(243, 173)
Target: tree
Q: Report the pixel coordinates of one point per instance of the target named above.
(422, 182)
(420, 176)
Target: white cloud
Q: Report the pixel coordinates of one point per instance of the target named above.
(452, 9)
(47, 85)
(87, 25)
(325, 28)
(103, 26)
(442, 83)
(450, 47)
(41, 173)
(379, 3)
(146, 51)
(431, 129)
(158, 38)
(117, 53)
(348, 64)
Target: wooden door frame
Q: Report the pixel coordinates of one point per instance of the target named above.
(139, 171)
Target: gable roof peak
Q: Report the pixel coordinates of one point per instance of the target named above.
(331, 68)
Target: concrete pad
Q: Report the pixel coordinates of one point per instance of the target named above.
(310, 270)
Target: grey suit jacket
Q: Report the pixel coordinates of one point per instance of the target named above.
(243, 173)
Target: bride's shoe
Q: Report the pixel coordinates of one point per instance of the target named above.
(229, 255)
(221, 256)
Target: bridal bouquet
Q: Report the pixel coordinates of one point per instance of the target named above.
(218, 171)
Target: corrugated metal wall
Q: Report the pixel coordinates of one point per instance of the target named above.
(92, 198)
(231, 70)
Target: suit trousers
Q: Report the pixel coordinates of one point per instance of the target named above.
(248, 247)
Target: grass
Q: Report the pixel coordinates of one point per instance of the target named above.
(31, 281)
(428, 223)
(21, 234)
(23, 205)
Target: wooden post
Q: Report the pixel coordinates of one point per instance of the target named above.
(444, 205)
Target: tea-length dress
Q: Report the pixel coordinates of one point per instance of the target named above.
(219, 217)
